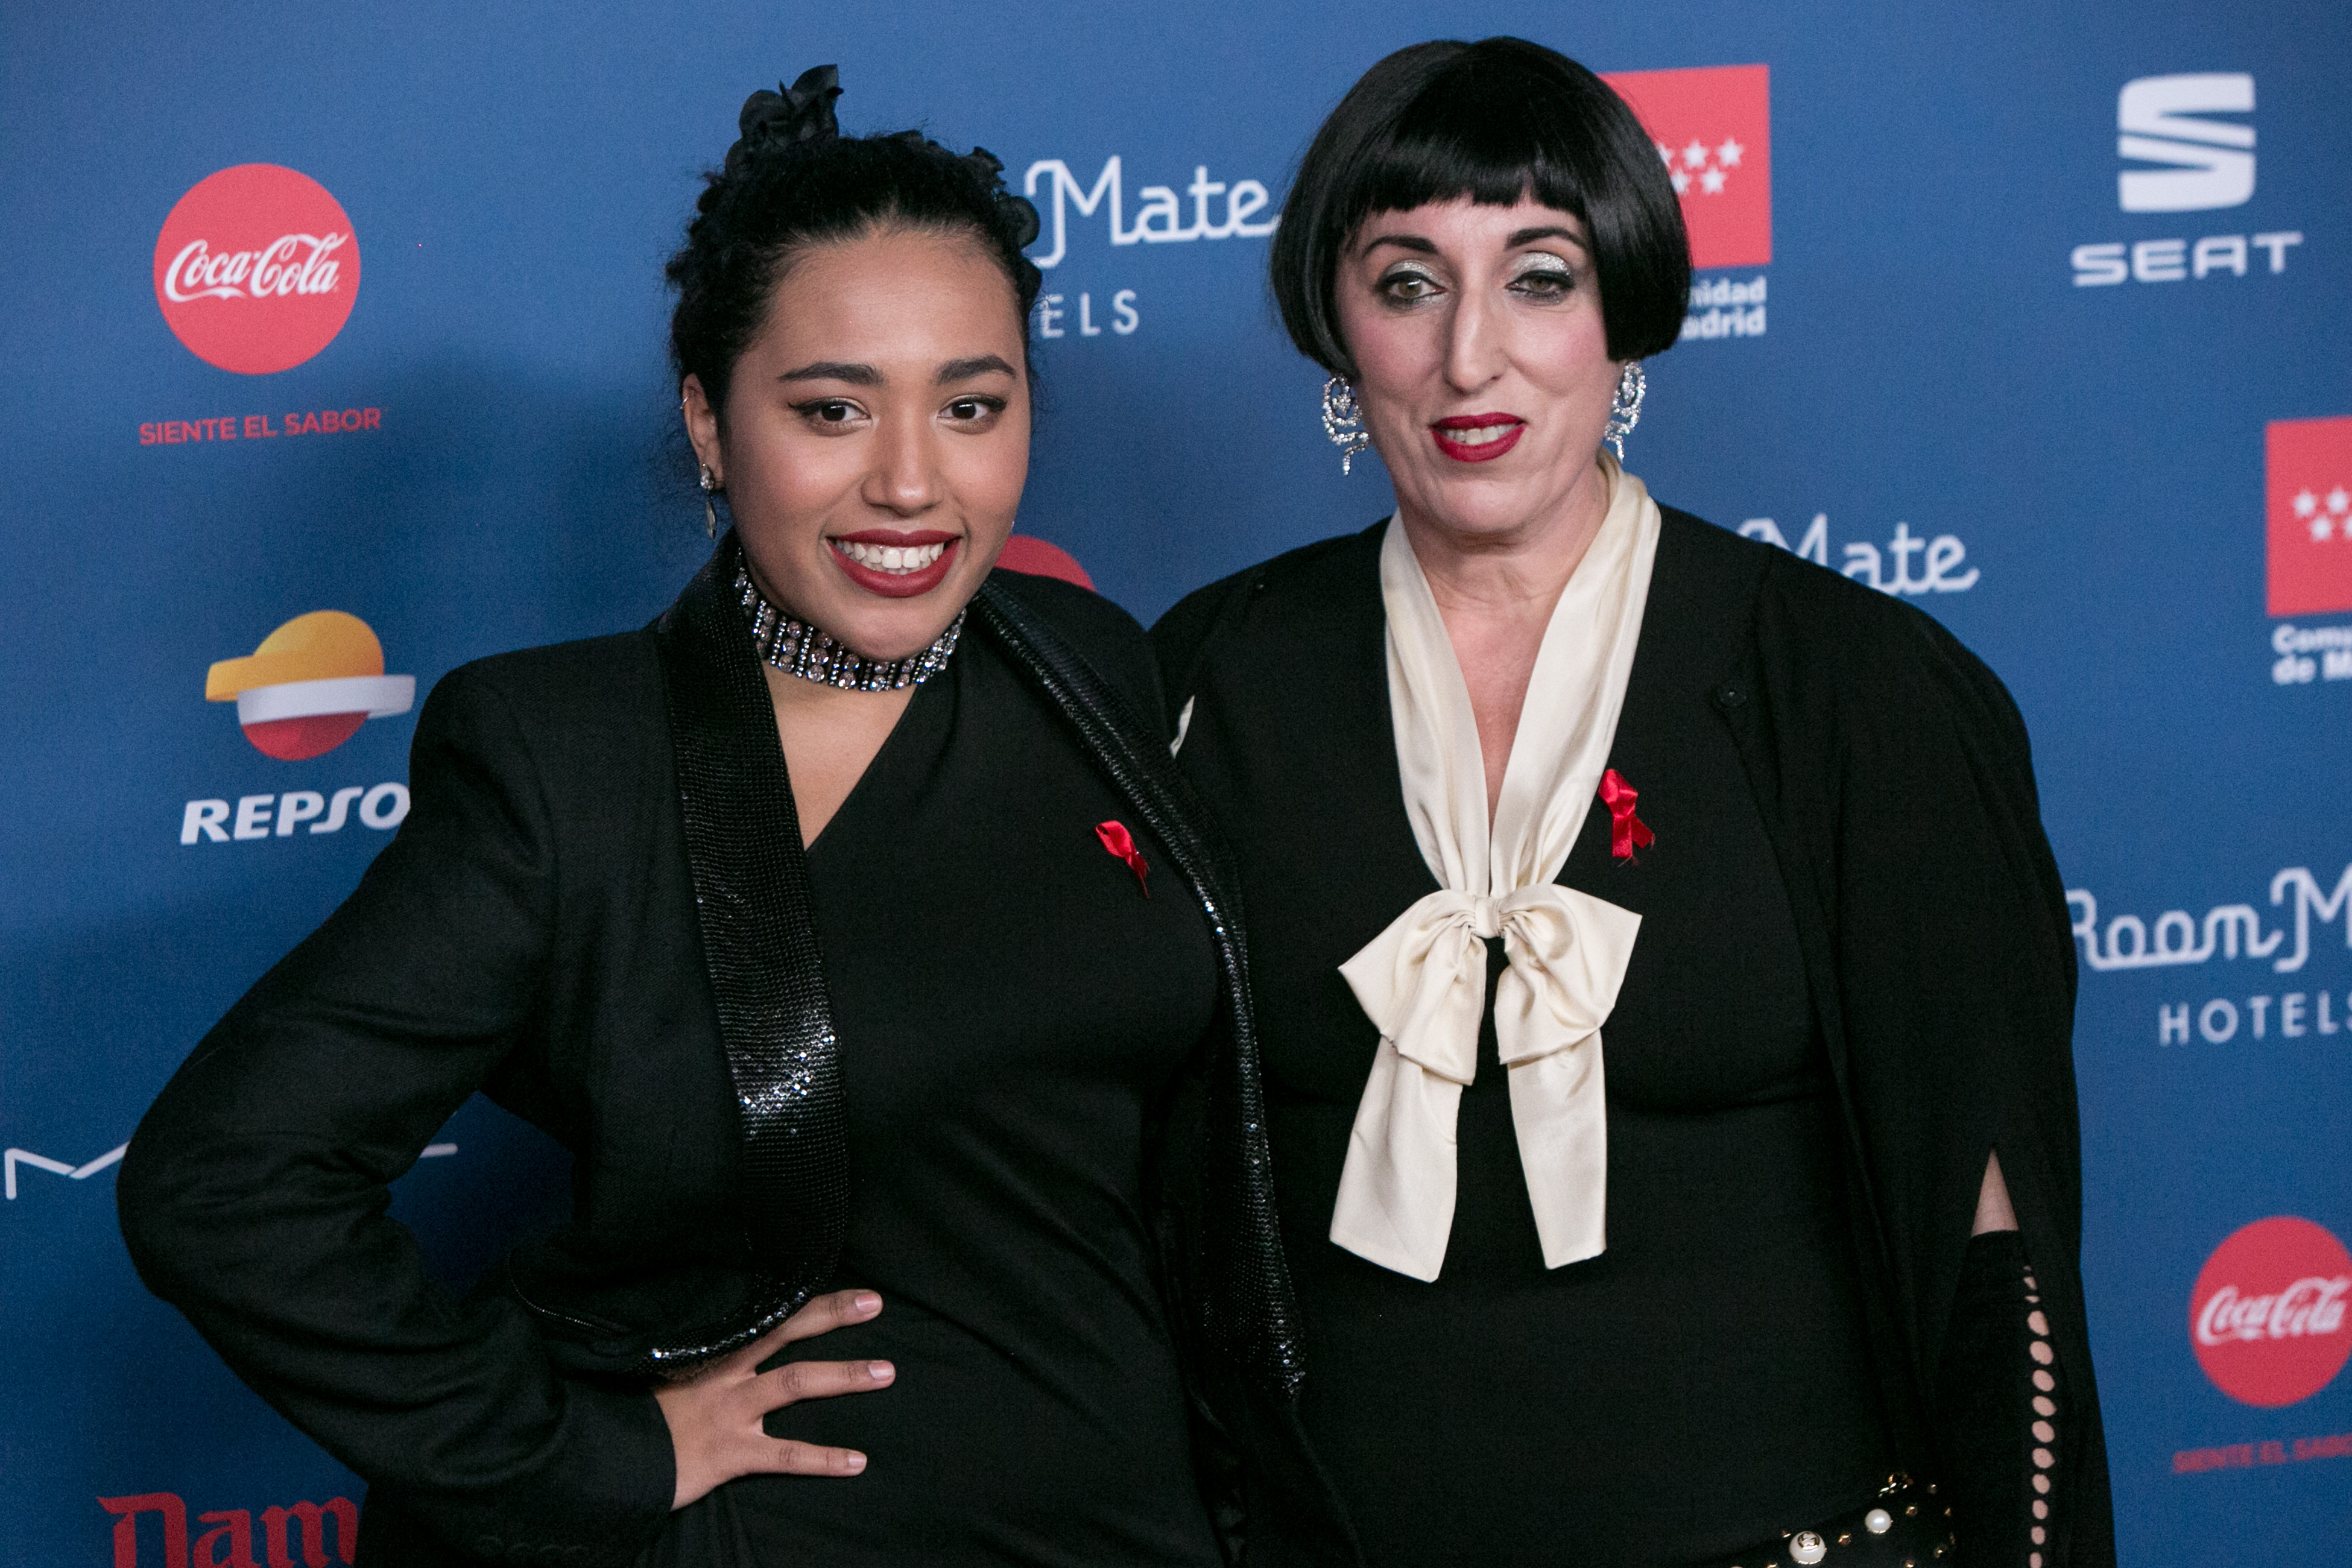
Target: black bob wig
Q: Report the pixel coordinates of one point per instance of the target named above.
(1495, 121)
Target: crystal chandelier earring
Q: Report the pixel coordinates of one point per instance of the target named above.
(1343, 422)
(1625, 408)
(710, 487)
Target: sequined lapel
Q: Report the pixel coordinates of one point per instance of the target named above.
(760, 945)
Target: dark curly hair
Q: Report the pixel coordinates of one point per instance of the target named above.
(794, 181)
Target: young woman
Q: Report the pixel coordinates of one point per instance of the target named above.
(1538, 762)
(849, 927)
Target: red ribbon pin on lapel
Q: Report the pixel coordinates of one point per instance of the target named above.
(1121, 844)
(1627, 832)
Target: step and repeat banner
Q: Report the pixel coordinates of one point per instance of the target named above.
(334, 359)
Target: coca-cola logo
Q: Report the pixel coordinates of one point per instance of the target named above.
(257, 268)
(2267, 1314)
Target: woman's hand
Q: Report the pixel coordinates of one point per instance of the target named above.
(716, 1421)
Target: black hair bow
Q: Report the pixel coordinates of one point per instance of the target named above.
(801, 112)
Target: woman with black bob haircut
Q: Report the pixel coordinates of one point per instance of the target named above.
(1536, 762)
(853, 929)
(1562, 140)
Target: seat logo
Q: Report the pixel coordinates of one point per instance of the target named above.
(2160, 119)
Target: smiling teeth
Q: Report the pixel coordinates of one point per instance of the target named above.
(890, 557)
(1478, 436)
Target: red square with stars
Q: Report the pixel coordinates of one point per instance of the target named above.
(1713, 126)
(2310, 515)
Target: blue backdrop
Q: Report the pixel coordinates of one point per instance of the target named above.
(2125, 403)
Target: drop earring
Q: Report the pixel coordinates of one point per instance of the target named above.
(710, 487)
(1343, 421)
(1625, 408)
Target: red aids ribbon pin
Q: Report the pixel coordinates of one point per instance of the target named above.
(1627, 832)
(1121, 844)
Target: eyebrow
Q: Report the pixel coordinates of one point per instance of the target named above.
(1518, 238)
(866, 375)
(978, 365)
(1530, 235)
(836, 370)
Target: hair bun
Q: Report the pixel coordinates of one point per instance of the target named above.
(1018, 213)
(793, 180)
(801, 112)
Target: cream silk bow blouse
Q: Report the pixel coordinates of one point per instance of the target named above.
(1423, 981)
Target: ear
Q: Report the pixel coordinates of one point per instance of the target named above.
(702, 427)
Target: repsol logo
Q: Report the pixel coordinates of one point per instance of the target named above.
(382, 808)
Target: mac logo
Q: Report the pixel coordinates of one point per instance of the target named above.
(2159, 120)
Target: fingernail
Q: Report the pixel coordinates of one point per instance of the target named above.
(867, 1301)
(853, 1463)
(880, 1371)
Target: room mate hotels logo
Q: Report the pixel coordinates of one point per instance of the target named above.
(1713, 127)
(257, 268)
(310, 686)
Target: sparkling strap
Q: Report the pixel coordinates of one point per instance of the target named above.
(798, 648)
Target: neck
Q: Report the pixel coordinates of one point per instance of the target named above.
(1509, 575)
(1496, 592)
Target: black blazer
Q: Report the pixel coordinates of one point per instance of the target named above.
(1894, 777)
(588, 916)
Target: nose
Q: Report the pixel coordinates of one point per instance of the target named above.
(1474, 347)
(903, 475)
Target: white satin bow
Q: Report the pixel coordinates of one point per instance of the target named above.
(1422, 981)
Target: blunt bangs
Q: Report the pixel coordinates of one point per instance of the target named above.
(1498, 121)
(1450, 145)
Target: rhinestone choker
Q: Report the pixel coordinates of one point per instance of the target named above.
(798, 648)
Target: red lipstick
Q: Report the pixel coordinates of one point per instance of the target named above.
(901, 583)
(1483, 451)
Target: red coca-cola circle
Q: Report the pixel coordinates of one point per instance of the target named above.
(2267, 1316)
(257, 268)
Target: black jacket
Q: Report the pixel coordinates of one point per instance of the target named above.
(1894, 778)
(581, 917)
